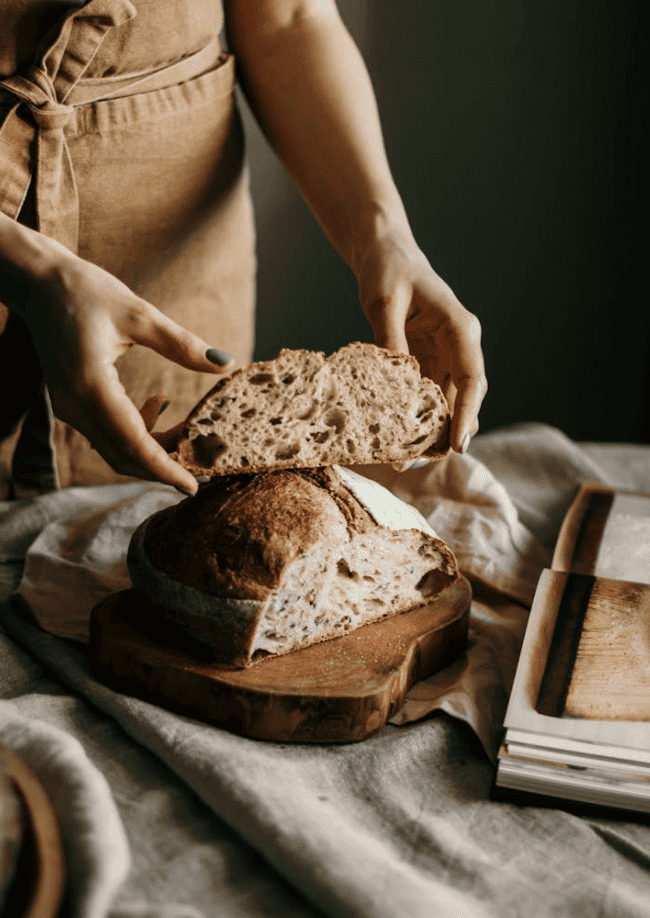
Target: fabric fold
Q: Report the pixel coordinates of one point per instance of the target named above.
(97, 857)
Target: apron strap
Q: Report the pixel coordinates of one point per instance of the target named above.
(33, 470)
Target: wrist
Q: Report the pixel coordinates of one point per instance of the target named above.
(379, 229)
(28, 260)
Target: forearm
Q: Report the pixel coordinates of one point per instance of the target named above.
(311, 93)
(26, 257)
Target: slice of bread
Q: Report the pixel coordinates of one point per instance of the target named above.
(269, 563)
(361, 405)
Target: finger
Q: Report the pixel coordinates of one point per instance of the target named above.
(469, 397)
(121, 436)
(412, 464)
(152, 409)
(463, 339)
(153, 329)
(387, 315)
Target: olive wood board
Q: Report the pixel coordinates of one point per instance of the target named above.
(337, 691)
(38, 882)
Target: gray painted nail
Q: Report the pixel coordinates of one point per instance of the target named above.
(184, 491)
(464, 446)
(214, 355)
(203, 479)
(164, 406)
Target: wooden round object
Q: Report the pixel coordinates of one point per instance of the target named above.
(337, 691)
(12, 830)
(38, 879)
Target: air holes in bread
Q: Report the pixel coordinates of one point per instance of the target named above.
(320, 437)
(425, 408)
(432, 582)
(287, 452)
(358, 405)
(206, 449)
(309, 413)
(343, 570)
(335, 418)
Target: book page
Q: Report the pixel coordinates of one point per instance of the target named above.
(624, 550)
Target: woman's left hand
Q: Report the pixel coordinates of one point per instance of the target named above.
(412, 310)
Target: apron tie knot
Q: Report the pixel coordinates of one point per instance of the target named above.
(51, 116)
(40, 95)
(44, 89)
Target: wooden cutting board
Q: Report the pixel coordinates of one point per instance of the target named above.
(337, 691)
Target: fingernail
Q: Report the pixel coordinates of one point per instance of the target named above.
(214, 355)
(203, 479)
(464, 446)
(164, 407)
(411, 464)
(184, 491)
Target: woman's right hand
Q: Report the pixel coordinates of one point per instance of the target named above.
(81, 319)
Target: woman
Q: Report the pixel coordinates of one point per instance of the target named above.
(125, 219)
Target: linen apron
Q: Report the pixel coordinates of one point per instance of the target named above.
(122, 141)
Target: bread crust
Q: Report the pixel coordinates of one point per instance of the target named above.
(236, 537)
(216, 563)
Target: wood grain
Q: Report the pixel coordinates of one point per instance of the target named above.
(610, 679)
(337, 691)
(598, 663)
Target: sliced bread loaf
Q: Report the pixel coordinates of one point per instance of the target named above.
(361, 405)
(269, 563)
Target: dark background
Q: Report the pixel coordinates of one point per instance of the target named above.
(511, 131)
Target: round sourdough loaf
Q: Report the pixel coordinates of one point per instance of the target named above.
(270, 563)
(362, 405)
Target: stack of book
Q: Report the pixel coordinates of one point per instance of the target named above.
(577, 727)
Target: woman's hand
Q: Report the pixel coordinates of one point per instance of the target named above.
(81, 319)
(411, 309)
(320, 115)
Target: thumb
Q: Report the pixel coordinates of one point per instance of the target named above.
(387, 314)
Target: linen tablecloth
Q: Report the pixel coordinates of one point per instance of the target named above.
(400, 824)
